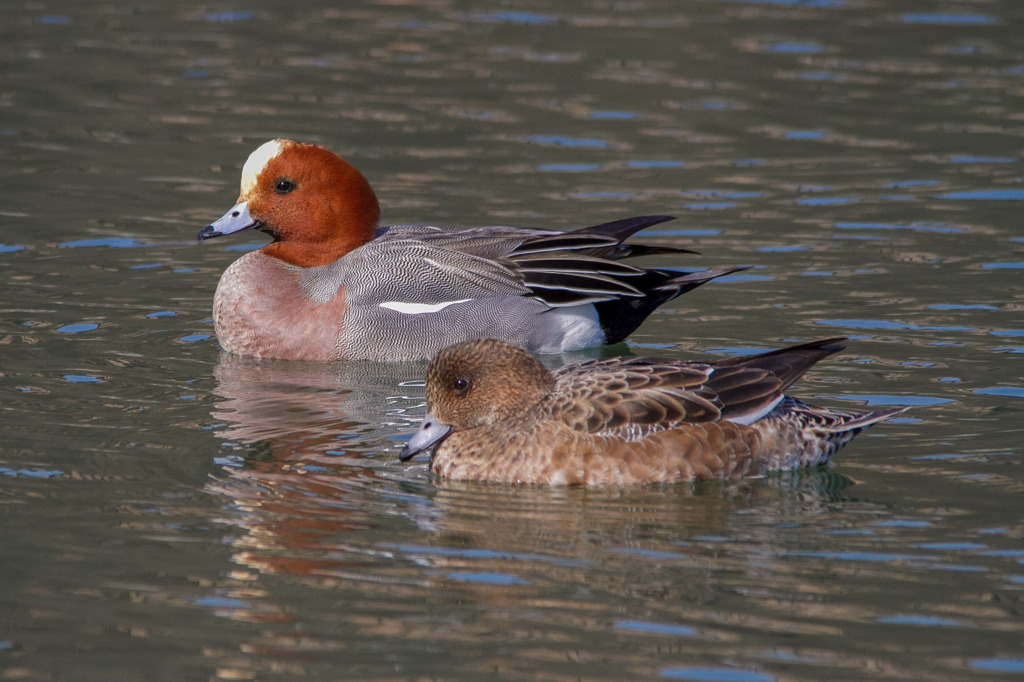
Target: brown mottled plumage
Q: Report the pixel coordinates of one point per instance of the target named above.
(496, 414)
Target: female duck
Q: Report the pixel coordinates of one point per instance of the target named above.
(496, 414)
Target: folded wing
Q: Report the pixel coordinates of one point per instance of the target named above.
(633, 397)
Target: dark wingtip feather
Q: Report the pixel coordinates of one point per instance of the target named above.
(627, 227)
(692, 280)
(647, 250)
(818, 350)
(749, 383)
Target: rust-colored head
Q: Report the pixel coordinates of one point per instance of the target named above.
(315, 205)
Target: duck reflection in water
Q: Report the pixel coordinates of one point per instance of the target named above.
(300, 410)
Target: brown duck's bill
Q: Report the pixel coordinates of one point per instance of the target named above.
(235, 220)
(430, 433)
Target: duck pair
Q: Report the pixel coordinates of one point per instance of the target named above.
(334, 285)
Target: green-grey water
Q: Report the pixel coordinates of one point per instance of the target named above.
(169, 512)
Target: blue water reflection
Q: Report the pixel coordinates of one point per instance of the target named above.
(949, 19)
(172, 508)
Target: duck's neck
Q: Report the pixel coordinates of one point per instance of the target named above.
(333, 234)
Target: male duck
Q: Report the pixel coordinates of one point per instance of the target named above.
(333, 285)
(496, 414)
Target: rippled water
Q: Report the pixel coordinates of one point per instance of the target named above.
(173, 513)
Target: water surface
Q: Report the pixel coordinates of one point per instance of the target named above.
(172, 513)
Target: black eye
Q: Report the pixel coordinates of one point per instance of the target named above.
(283, 185)
(460, 386)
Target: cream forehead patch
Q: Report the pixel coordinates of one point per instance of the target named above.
(255, 163)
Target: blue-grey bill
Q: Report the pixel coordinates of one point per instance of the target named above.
(235, 220)
(430, 433)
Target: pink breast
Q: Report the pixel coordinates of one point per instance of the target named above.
(260, 310)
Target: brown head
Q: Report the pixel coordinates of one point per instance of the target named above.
(477, 383)
(484, 381)
(314, 204)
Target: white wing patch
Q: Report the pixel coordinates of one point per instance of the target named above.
(749, 419)
(419, 308)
